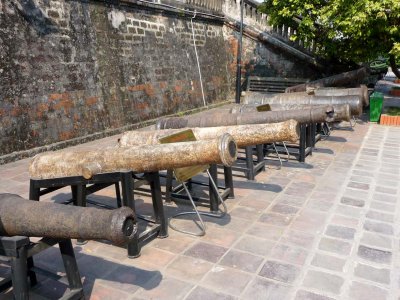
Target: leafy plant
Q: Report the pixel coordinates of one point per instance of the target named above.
(348, 30)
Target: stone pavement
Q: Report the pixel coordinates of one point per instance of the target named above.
(325, 229)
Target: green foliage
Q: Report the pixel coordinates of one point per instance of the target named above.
(355, 30)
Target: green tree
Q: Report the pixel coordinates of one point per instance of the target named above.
(348, 30)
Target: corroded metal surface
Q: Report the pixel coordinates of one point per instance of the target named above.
(143, 158)
(342, 112)
(355, 101)
(19, 216)
(351, 78)
(244, 135)
(315, 115)
(359, 91)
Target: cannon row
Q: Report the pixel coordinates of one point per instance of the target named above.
(206, 140)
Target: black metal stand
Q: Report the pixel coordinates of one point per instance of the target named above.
(82, 187)
(19, 250)
(301, 150)
(212, 201)
(253, 167)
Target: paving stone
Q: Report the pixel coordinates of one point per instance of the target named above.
(266, 231)
(96, 290)
(340, 232)
(168, 289)
(275, 219)
(289, 254)
(379, 275)
(352, 202)
(128, 278)
(208, 252)
(291, 200)
(376, 215)
(349, 211)
(284, 209)
(280, 271)
(320, 205)
(153, 255)
(356, 194)
(362, 179)
(363, 173)
(174, 245)
(374, 255)
(255, 245)
(358, 185)
(241, 260)
(385, 182)
(225, 279)
(259, 205)
(244, 212)
(305, 295)
(267, 290)
(378, 227)
(221, 237)
(361, 291)
(328, 262)
(384, 198)
(344, 221)
(201, 293)
(335, 246)
(383, 206)
(309, 221)
(188, 268)
(386, 190)
(323, 281)
(298, 238)
(377, 240)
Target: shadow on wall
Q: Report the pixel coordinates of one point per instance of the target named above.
(35, 17)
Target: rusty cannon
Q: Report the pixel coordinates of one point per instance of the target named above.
(21, 217)
(354, 101)
(244, 135)
(144, 158)
(341, 112)
(315, 115)
(358, 91)
(351, 78)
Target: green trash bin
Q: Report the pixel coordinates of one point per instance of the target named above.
(375, 106)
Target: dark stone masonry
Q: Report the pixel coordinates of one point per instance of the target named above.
(69, 69)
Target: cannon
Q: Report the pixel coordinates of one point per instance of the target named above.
(351, 78)
(244, 135)
(302, 98)
(341, 112)
(22, 217)
(329, 91)
(314, 115)
(144, 158)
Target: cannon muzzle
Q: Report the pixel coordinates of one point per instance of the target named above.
(19, 216)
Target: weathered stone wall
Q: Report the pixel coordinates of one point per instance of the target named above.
(69, 69)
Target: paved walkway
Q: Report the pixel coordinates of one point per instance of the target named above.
(325, 229)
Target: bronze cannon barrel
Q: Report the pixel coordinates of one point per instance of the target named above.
(355, 101)
(19, 216)
(351, 78)
(244, 135)
(315, 115)
(143, 158)
(358, 91)
(341, 112)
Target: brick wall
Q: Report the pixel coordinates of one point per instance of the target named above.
(69, 69)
